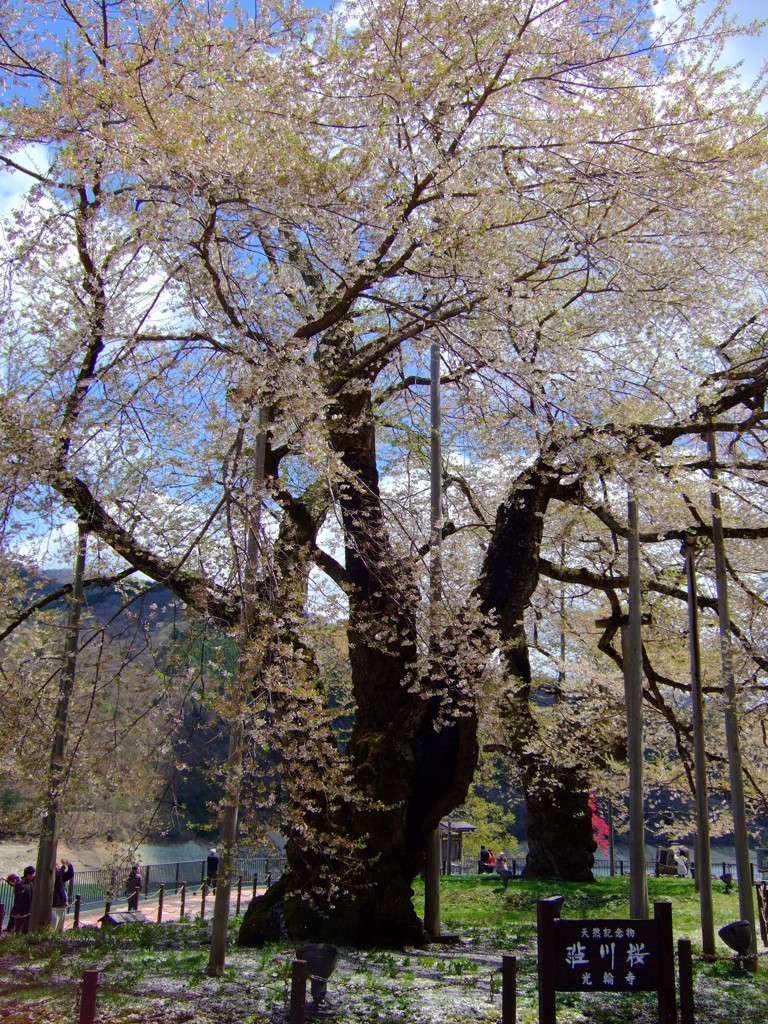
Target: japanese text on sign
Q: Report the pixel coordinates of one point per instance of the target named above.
(604, 956)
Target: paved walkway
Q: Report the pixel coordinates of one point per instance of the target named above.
(195, 906)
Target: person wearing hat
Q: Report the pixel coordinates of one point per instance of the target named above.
(22, 900)
(133, 888)
(211, 869)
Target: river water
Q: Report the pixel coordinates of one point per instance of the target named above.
(15, 855)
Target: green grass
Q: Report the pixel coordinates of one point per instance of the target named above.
(151, 973)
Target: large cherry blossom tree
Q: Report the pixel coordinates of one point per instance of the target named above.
(269, 222)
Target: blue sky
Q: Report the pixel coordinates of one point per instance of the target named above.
(752, 51)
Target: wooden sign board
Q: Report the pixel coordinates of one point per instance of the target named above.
(605, 955)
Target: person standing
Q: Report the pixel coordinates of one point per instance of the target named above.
(22, 901)
(133, 888)
(211, 869)
(63, 874)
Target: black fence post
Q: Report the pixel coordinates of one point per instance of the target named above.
(662, 912)
(508, 989)
(203, 894)
(685, 971)
(183, 900)
(160, 899)
(239, 892)
(255, 881)
(90, 984)
(146, 881)
(299, 972)
(78, 902)
(176, 887)
(547, 912)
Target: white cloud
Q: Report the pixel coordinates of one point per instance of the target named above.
(14, 185)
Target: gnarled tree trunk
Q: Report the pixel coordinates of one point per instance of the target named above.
(559, 818)
(412, 752)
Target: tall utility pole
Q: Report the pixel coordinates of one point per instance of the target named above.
(736, 775)
(633, 691)
(231, 805)
(42, 896)
(432, 923)
(703, 863)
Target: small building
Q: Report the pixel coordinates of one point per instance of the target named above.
(453, 832)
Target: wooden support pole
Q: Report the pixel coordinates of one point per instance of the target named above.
(160, 900)
(733, 744)
(299, 972)
(509, 990)
(78, 904)
(239, 892)
(633, 685)
(203, 894)
(255, 882)
(433, 852)
(182, 908)
(703, 860)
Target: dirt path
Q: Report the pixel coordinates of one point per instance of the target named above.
(194, 907)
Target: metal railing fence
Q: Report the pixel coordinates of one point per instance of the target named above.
(95, 886)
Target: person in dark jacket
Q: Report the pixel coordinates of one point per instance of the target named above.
(63, 874)
(211, 869)
(22, 901)
(133, 888)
